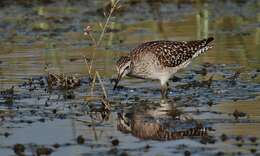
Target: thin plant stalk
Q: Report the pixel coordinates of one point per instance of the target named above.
(107, 21)
(93, 84)
(95, 74)
(102, 85)
(88, 66)
(103, 31)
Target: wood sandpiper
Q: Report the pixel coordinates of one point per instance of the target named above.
(160, 60)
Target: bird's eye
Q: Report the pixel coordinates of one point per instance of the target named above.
(127, 68)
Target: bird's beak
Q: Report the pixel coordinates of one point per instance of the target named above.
(119, 76)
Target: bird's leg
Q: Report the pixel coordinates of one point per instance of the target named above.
(164, 89)
(168, 86)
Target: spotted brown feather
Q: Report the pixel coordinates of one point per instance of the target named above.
(171, 53)
(122, 61)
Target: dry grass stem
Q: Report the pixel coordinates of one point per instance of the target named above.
(102, 85)
(114, 6)
(88, 66)
(94, 74)
(93, 84)
(93, 98)
(104, 28)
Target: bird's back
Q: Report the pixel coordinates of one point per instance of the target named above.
(171, 53)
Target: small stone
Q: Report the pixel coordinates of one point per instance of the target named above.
(42, 120)
(115, 142)
(207, 139)
(124, 154)
(253, 150)
(80, 139)
(220, 153)
(29, 122)
(70, 95)
(56, 145)
(239, 145)
(6, 134)
(238, 138)
(253, 76)
(238, 114)
(253, 139)
(147, 146)
(54, 111)
(19, 149)
(210, 103)
(43, 151)
(223, 137)
(67, 144)
(187, 153)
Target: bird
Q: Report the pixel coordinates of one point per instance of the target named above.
(160, 60)
(151, 124)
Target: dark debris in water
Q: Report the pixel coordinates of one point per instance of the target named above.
(80, 139)
(19, 149)
(56, 145)
(7, 92)
(187, 153)
(115, 142)
(253, 139)
(7, 96)
(224, 137)
(41, 151)
(237, 114)
(208, 140)
(61, 81)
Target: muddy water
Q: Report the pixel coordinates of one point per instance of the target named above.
(33, 35)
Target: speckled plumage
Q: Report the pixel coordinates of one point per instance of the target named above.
(161, 59)
(170, 53)
(122, 60)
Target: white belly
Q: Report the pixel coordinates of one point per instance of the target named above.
(166, 73)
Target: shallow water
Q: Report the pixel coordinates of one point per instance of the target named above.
(39, 34)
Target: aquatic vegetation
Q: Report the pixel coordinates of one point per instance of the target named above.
(62, 81)
(8, 96)
(93, 73)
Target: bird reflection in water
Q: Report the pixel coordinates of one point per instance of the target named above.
(165, 122)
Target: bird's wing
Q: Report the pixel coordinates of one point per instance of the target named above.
(173, 53)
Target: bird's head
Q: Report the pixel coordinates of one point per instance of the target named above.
(123, 68)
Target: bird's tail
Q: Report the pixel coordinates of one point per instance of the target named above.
(203, 45)
(208, 40)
